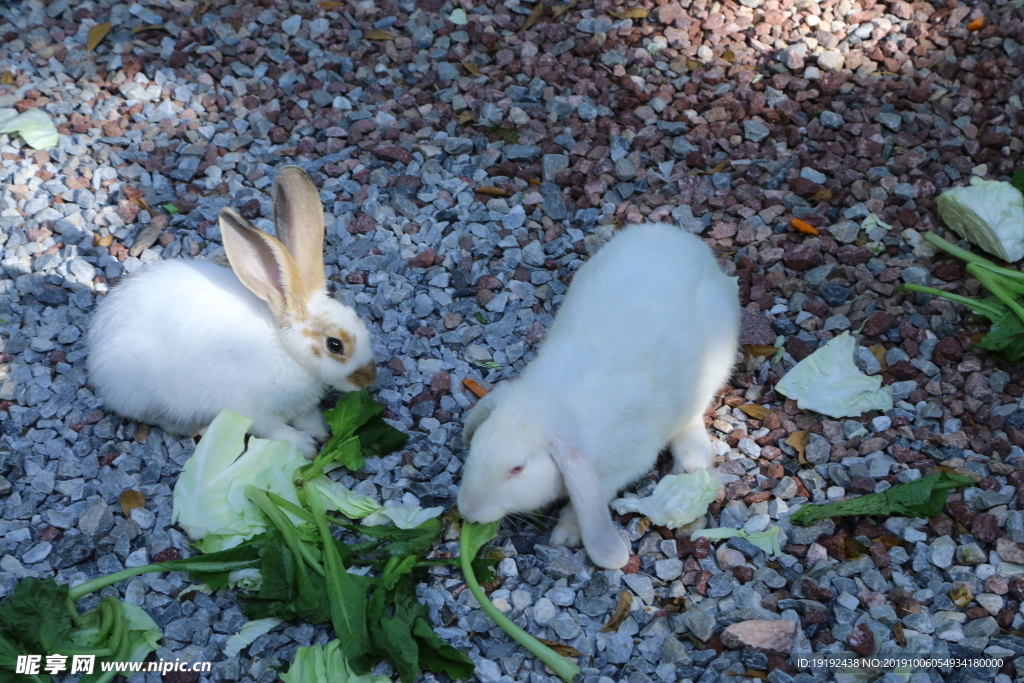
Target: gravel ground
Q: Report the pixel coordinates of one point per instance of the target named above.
(726, 119)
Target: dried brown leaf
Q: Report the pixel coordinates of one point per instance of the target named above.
(491, 191)
(888, 540)
(561, 648)
(854, 548)
(643, 525)
(721, 166)
(96, 35)
(692, 64)
(538, 10)
(559, 10)
(7, 78)
(377, 34)
(468, 117)
(199, 11)
(104, 241)
(139, 28)
(632, 13)
(130, 500)
(897, 633)
(141, 203)
(729, 56)
(142, 434)
(798, 441)
(330, 5)
(755, 411)
(750, 673)
(621, 612)
(472, 68)
(759, 350)
(878, 351)
(822, 195)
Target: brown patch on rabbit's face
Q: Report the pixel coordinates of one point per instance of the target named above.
(364, 376)
(336, 342)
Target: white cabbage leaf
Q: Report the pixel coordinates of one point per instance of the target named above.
(209, 497)
(989, 213)
(34, 126)
(249, 632)
(325, 664)
(677, 500)
(402, 516)
(828, 382)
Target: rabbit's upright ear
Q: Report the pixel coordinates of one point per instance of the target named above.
(263, 265)
(299, 223)
(600, 537)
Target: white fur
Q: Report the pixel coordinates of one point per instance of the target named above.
(178, 342)
(646, 335)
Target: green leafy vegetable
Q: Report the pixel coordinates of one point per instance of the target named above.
(473, 537)
(922, 498)
(767, 540)
(357, 430)
(1004, 309)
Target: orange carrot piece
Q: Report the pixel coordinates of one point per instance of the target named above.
(803, 226)
(475, 387)
(977, 24)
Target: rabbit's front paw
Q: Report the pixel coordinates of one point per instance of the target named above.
(312, 423)
(567, 531)
(306, 444)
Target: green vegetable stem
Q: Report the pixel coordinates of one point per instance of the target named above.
(1004, 308)
(473, 537)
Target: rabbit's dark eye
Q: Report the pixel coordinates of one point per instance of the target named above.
(334, 345)
(516, 470)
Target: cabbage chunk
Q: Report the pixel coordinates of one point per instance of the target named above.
(828, 382)
(677, 500)
(34, 126)
(989, 213)
(209, 497)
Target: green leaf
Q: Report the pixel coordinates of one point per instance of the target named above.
(347, 596)
(922, 498)
(487, 364)
(171, 208)
(439, 656)
(36, 615)
(401, 648)
(357, 430)
(1018, 180)
(377, 437)
(476, 536)
(351, 412)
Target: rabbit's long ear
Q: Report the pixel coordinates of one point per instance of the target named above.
(299, 223)
(480, 412)
(600, 537)
(263, 265)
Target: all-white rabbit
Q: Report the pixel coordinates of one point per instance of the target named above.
(646, 335)
(178, 342)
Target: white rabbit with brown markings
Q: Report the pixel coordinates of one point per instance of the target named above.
(646, 335)
(178, 342)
